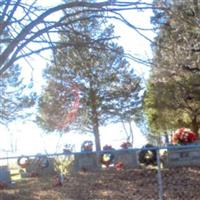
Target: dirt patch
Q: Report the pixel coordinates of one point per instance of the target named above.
(137, 184)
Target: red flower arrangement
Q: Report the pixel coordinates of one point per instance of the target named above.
(107, 158)
(184, 136)
(126, 145)
(107, 147)
(119, 166)
(87, 146)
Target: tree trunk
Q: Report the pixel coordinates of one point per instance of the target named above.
(95, 125)
(166, 138)
(196, 7)
(131, 132)
(97, 139)
(96, 131)
(95, 120)
(125, 130)
(195, 126)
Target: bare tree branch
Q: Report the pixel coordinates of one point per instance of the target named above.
(34, 23)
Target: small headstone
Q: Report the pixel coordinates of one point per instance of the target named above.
(127, 157)
(183, 157)
(39, 168)
(5, 175)
(86, 161)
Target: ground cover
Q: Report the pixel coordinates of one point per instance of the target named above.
(136, 184)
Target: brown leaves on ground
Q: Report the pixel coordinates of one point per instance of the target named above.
(135, 184)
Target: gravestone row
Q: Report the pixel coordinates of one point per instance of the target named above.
(88, 161)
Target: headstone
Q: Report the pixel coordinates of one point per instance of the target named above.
(85, 161)
(127, 157)
(5, 175)
(183, 157)
(39, 168)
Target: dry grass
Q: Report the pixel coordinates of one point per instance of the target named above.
(136, 184)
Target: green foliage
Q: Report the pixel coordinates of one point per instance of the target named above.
(109, 89)
(172, 104)
(13, 99)
(172, 99)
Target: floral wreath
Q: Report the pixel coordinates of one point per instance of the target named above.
(148, 156)
(42, 161)
(87, 146)
(126, 145)
(67, 149)
(107, 157)
(25, 163)
(184, 136)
